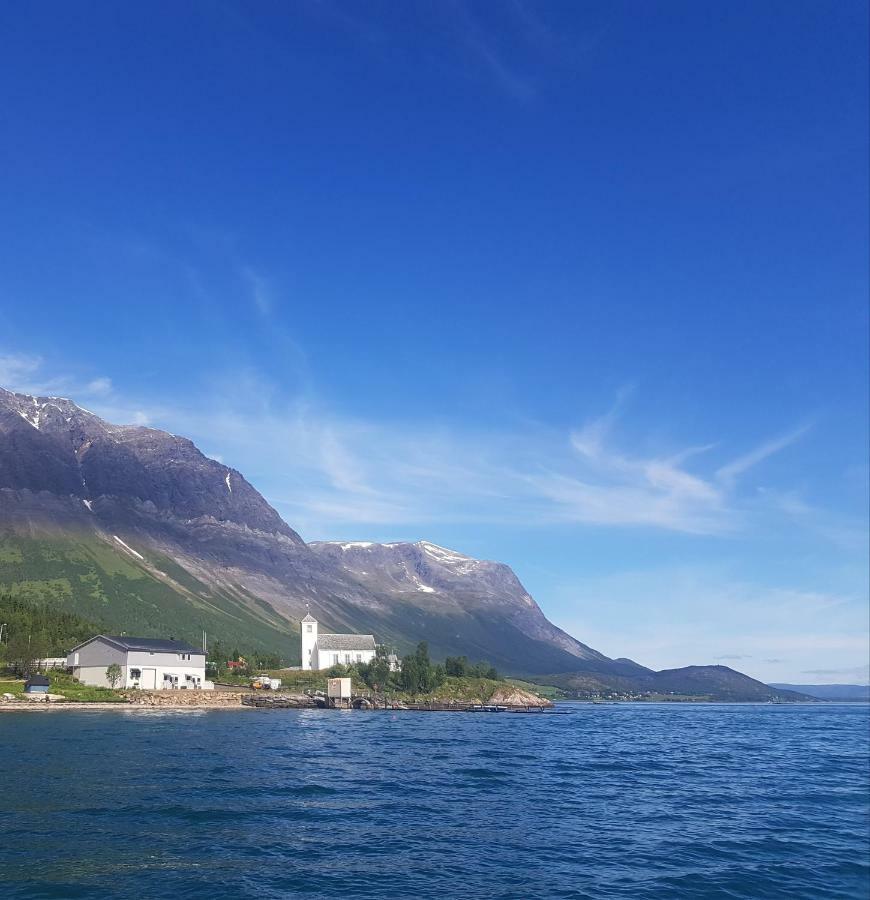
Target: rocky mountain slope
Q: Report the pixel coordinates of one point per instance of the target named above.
(135, 527)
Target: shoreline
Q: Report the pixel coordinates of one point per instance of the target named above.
(143, 707)
(79, 705)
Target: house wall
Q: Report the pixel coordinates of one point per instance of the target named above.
(90, 662)
(189, 672)
(95, 675)
(96, 653)
(325, 659)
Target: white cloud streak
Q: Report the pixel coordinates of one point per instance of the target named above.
(326, 471)
(737, 467)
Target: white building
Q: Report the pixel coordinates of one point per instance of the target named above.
(147, 663)
(326, 650)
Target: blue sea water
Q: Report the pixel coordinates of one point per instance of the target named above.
(637, 801)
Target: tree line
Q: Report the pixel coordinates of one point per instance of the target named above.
(417, 673)
(225, 659)
(35, 630)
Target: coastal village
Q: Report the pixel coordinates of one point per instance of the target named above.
(337, 671)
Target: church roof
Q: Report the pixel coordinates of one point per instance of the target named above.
(346, 642)
(309, 618)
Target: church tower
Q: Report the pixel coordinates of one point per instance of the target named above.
(308, 629)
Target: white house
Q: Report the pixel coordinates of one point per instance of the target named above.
(325, 650)
(147, 663)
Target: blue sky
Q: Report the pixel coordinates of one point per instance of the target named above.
(579, 287)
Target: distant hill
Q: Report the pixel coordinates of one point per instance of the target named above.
(715, 683)
(830, 691)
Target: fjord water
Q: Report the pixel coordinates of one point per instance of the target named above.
(592, 801)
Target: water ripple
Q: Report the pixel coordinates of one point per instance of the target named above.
(630, 801)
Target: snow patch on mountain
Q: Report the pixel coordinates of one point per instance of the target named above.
(128, 548)
(442, 554)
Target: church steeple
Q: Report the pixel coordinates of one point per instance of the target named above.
(308, 630)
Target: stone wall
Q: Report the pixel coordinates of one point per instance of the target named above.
(185, 698)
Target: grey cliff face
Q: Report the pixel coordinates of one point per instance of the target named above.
(424, 573)
(50, 444)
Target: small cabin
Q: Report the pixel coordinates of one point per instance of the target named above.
(37, 684)
(338, 692)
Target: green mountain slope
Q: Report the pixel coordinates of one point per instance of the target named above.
(84, 575)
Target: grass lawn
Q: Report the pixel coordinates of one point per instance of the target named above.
(66, 686)
(463, 689)
(549, 691)
(9, 685)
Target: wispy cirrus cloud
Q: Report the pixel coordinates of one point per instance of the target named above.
(29, 374)
(261, 292)
(327, 471)
(619, 488)
(731, 471)
(331, 471)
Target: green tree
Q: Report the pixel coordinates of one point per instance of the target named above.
(418, 673)
(456, 666)
(113, 674)
(379, 668)
(410, 677)
(21, 651)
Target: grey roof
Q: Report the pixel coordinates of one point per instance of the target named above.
(153, 645)
(346, 642)
(309, 618)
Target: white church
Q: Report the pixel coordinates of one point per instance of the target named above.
(326, 650)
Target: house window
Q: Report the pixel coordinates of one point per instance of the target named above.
(336, 658)
(308, 628)
(135, 674)
(359, 657)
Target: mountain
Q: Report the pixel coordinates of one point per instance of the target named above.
(841, 692)
(718, 683)
(455, 600)
(136, 528)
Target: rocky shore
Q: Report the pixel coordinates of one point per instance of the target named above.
(183, 700)
(223, 699)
